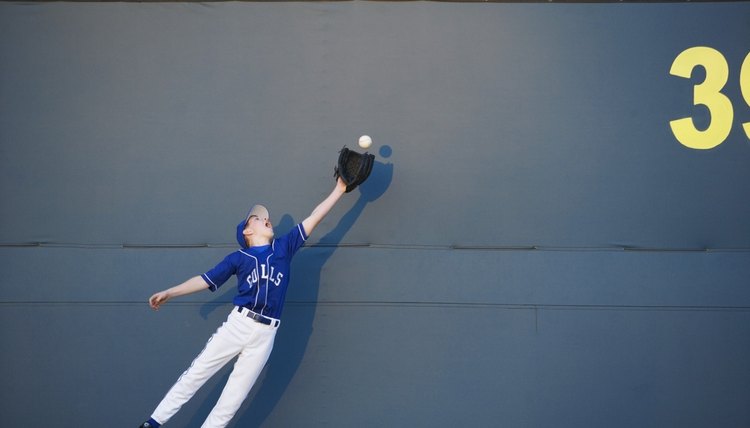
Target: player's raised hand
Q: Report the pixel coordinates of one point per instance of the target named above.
(158, 299)
(340, 184)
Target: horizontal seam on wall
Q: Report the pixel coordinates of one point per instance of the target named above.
(412, 305)
(454, 247)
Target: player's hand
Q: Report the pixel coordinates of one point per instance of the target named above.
(340, 185)
(158, 299)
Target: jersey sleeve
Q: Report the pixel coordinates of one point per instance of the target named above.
(220, 273)
(294, 240)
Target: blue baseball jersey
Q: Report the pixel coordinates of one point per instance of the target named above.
(262, 273)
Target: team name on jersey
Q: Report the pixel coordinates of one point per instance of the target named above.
(273, 277)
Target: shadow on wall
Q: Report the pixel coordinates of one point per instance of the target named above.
(297, 326)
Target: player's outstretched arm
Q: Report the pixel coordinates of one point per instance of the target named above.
(190, 286)
(324, 207)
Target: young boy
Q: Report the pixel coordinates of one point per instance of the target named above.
(262, 270)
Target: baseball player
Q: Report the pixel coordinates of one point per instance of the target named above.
(262, 268)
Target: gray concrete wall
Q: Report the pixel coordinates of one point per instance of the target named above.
(534, 248)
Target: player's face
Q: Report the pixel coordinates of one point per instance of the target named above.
(260, 226)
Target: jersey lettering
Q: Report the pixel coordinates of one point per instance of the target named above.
(253, 278)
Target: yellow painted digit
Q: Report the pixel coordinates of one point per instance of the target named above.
(708, 94)
(745, 88)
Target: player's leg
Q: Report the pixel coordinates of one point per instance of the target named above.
(224, 345)
(246, 370)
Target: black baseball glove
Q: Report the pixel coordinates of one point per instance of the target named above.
(353, 168)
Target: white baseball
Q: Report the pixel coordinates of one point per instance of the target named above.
(365, 141)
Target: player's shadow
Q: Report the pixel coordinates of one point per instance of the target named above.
(297, 325)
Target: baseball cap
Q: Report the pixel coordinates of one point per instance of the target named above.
(257, 210)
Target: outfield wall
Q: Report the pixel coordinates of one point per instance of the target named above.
(540, 243)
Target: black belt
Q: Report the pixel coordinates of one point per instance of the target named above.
(259, 318)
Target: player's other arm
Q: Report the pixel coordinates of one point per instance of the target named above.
(324, 207)
(192, 285)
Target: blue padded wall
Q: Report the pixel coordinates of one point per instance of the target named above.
(535, 247)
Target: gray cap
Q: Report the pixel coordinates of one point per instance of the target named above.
(257, 210)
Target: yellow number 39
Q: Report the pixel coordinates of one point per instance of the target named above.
(708, 93)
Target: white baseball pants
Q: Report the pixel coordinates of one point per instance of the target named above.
(239, 335)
